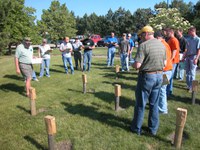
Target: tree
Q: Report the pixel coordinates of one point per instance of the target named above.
(57, 22)
(16, 22)
(142, 17)
(168, 18)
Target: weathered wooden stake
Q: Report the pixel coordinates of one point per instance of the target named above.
(181, 115)
(195, 84)
(117, 95)
(32, 101)
(51, 131)
(117, 68)
(84, 78)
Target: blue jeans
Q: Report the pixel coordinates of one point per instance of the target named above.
(162, 104)
(69, 60)
(34, 75)
(124, 61)
(190, 68)
(170, 85)
(87, 59)
(110, 56)
(45, 64)
(148, 89)
(180, 70)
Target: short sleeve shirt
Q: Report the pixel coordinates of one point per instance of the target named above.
(64, 46)
(87, 43)
(23, 54)
(111, 40)
(77, 45)
(174, 45)
(43, 50)
(193, 45)
(124, 46)
(151, 54)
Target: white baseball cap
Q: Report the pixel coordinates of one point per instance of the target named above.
(129, 34)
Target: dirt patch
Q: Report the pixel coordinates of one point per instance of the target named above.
(64, 145)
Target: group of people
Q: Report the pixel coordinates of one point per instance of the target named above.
(125, 47)
(24, 56)
(158, 57)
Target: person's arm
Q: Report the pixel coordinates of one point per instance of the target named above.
(136, 65)
(173, 54)
(197, 58)
(39, 53)
(17, 65)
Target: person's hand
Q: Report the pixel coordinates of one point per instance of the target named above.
(18, 71)
(195, 61)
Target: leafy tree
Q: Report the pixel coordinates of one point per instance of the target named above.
(168, 18)
(57, 22)
(196, 19)
(142, 17)
(16, 22)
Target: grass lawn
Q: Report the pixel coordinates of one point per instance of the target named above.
(89, 120)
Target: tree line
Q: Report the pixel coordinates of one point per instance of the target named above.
(18, 21)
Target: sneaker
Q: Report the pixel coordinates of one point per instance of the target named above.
(36, 80)
(48, 76)
(190, 91)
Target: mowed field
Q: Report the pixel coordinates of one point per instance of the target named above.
(87, 121)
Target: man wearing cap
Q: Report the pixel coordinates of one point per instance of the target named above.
(23, 61)
(112, 42)
(149, 60)
(124, 50)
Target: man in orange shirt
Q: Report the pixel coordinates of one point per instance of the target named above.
(174, 45)
(167, 70)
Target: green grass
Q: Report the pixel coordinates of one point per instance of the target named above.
(88, 120)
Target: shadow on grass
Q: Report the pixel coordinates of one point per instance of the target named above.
(120, 75)
(16, 77)
(110, 98)
(58, 71)
(12, 87)
(123, 86)
(24, 109)
(92, 113)
(187, 100)
(34, 142)
(75, 90)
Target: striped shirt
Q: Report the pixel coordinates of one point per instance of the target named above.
(151, 54)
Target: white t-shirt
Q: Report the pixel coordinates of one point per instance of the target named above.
(65, 46)
(43, 49)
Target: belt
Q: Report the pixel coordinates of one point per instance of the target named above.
(151, 72)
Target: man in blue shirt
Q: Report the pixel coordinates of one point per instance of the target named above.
(192, 55)
(112, 42)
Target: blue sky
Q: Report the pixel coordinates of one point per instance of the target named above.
(100, 7)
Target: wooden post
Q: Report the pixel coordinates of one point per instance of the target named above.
(32, 101)
(51, 131)
(117, 95)
(181, 115)
(84, 78)
(194, 90)
(117, 68)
